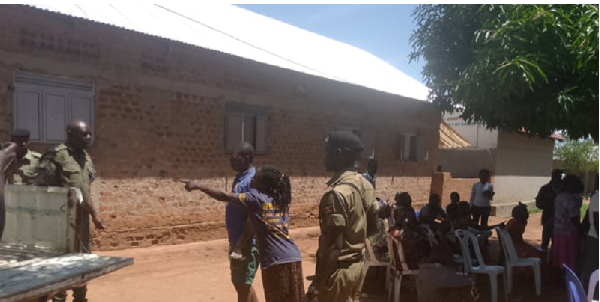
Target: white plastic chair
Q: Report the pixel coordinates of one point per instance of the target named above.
(513, 260)
(371, 261)
(392, 269)
(398, 274)
(592, 286)
(491, 270)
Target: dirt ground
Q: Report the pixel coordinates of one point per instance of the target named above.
(200, 272)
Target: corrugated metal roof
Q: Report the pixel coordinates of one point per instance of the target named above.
(236, 31)
(449, 138)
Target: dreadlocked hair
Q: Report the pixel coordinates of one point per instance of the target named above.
(278, 186)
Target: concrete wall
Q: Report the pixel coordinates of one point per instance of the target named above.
(519, 166)
(159, 117)
(467, 162)
(476, 134)
(443, 183)
(523, 164)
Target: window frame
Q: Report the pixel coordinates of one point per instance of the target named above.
(46, 86)
(413, 147)
(260, 120)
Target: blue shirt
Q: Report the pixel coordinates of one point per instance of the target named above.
(236, 216)
(371, 179)
(270, 226)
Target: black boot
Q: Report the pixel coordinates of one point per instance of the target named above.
(60, 297)
(79, 294)
(42, 299)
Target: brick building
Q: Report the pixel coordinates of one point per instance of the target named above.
(163, 110)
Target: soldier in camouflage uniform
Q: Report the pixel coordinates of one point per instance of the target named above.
(22, 171)
(347, 216)
(69, 165)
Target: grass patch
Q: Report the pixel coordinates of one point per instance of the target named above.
(583, 210)
(533, 210)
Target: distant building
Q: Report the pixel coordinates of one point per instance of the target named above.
(477, 134)
(519, 164)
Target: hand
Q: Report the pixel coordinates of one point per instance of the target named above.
(312, 293)
(189, 185)
(98, 224)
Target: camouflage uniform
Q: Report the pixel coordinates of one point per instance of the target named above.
(348, 207)
(66, 167)
(22, 172)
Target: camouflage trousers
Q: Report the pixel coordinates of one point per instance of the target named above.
(342, 285)
(84, 246)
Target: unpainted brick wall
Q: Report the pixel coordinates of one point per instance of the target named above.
(159, 118)
(442, 183)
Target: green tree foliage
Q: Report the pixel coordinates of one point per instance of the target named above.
(578, 155)
(531, 68)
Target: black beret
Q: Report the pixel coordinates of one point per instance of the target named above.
(344, 140)
(20, 133)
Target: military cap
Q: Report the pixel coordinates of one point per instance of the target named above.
(344, 140)
(20, 133)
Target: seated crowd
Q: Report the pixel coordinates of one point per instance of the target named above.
(428, 235)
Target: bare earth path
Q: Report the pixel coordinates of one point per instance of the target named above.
(200, 272)
(188, 272)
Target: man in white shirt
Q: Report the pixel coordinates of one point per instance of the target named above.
(481, 196)
(590, 262)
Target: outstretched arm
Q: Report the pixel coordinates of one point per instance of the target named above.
(216, 194)
(8, 153)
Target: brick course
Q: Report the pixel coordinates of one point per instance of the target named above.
(159, 117)
(443, 183)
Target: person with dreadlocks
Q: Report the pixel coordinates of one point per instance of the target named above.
(268, 208)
